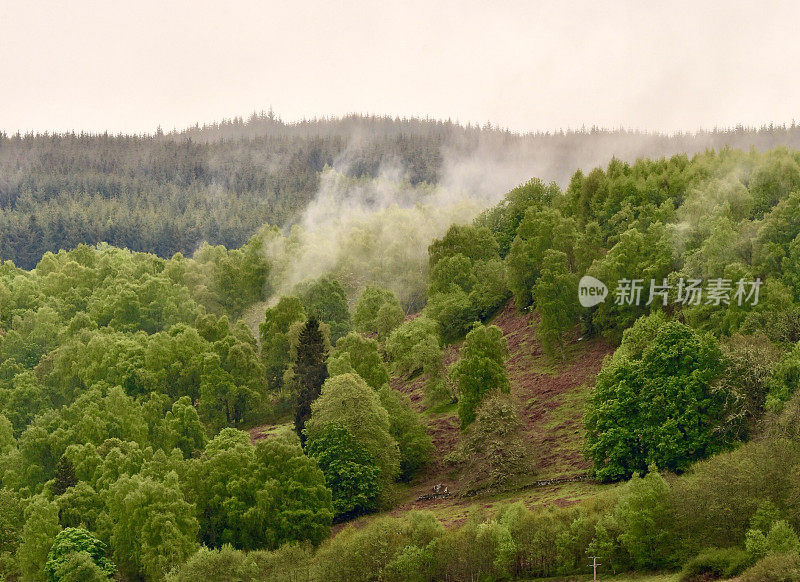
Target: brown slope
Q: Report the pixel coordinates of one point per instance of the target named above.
(550, 399)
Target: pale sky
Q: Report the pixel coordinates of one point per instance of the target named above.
(131, 66)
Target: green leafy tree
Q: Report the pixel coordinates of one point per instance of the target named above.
(348, 401)
(453, 311)
(493, 452)
(350, 471)
(541, 229)
(367, 316)
(64, 477)
(325, 300)
(183, 429)
(153, 527)
(389, 318)
(408, 430)
(555, 295)
(40, 530)
(360, 355)
(645, 516)
(750, 364)
(480, 370)
(637, 255)
(78, 567)
(258, 496)
(12, 521)
(72, 541)
(474, 243)
(275, 341)
(662, 408)
(310, 372)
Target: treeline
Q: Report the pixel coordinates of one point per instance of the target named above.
(163, 196)
(219, 183)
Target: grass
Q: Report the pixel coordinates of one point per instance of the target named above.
(629, 577)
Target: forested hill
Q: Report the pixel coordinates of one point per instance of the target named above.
(166, 193)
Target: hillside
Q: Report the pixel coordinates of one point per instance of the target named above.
(549, 397)
(395, 394)
(220, 183)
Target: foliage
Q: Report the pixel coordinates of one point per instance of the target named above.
(64, 477)
(350, 471)
(406, 427)
(72, 541)
(540, 230)
(493, 452)
(715, 563)
(554, 296)
(480, 370)
(467, 280)
(154, 529)
(645, 515)
(258, 496)
(310, 372)
(415, 347)
(275, 342)
(378, 312)
(78, 567)
(784, 379)
(750, 363)
(774, 568)
(38, 534)
(325, 300)
(346, 400)
(662, 408)
(360, 355)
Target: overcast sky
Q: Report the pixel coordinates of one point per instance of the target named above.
(529, 65)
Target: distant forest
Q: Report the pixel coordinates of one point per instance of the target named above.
(219, 183)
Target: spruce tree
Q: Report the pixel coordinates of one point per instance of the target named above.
(64, 476)
(310, 372)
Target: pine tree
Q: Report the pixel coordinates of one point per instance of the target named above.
(64, 476)
(310, 372)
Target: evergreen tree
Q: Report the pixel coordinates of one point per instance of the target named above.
(64, 476)
(310, 372)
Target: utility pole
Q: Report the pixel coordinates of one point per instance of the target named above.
(594, 566)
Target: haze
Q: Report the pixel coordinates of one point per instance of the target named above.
(130, 67)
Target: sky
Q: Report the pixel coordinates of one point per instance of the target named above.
(108, 65)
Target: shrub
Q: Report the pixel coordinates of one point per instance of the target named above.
(715, 563)
(493, 451)
(774, 568)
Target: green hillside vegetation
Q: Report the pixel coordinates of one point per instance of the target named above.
(148, 433)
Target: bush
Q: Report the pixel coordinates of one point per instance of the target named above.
(493, 451)
(774, 568)
(715, 563)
